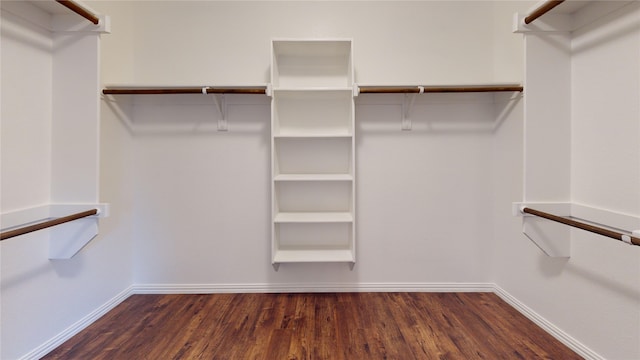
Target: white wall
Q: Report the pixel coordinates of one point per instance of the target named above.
(202, 199)
(395, 42)
(606, 112)
(605, 173)
(32, 169)
(422, 193)
(26, 131)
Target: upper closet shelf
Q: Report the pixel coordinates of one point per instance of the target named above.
(80, 10)
(541, 10)
(564, 16)
(266, 90)
(418, 89)
(59, 15)
(124, 90)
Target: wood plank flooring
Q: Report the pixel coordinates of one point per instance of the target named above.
(314, 326)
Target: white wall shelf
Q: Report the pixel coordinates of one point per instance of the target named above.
(567, 16)
(313, 255)
(313, 217)
(433, 89)
(173, 90)
(313, 177)
(129, 100)
(329, 102)
(309, 134)
(313, 151)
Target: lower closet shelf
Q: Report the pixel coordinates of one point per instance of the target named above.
(313, 217)
(313, 177)
(313, 255)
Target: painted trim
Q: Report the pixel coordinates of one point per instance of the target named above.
(80, 325)
(546, 325)
(543, 323)
(326, 287)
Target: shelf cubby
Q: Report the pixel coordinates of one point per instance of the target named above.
(296, 156)
(313, 113)
(313, 217)
(314, 242)
(315, 63)
(313, 196)
(313, 177)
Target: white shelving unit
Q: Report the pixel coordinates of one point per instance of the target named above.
(313, 151)
(55, 66)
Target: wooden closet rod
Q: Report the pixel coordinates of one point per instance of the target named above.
(76, 8)
(543, 9)
(208, 90)
(437, 89)
(46, 224)
(580, 225)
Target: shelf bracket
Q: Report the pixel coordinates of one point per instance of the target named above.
(222, 107)
(552, 238)
(407, 106)
(276, 266)
(352, 265)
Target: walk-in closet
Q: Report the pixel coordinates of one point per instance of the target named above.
(320, 179)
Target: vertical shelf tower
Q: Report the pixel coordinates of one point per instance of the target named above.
(312, 151)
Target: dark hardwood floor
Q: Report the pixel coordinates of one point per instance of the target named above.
(314, 326)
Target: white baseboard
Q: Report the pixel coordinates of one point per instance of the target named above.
(80, 325)
(559, 334)
(323, 287)
(547, 326)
